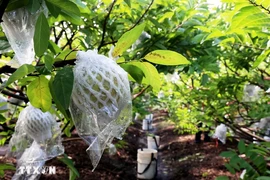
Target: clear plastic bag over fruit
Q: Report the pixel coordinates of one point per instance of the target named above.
(19, 27)
(220, 133)
(101, 101)
(34, 158)
(38, 128)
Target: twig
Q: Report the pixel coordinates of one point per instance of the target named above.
(228, 67)
(66, 125)
(69, 40)
(247, 46)
(263, 71)
(105, 24)
(112, 42)
(72, 139)
(140, 93)
(261, 6)
(183, 81)
(145, 12)
(58, 37)
(3, 6)
(75, 49)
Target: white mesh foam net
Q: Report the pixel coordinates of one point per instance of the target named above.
(101, 101)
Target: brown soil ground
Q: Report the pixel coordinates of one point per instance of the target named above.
(179, 158)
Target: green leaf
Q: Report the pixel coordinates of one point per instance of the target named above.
(66, 6)
(70, 164)
(43, 70)
(4, 44)
(204, 79)
(249, 149)
(54, 10)
(49, 60)
(77, 20)
(4, 167)
(20, 73)
(152, 76)
(227, 154)
(120, 60)
(127, 39)
(260, 163)
(128, 3)
(263, 178)
(258, 151)
(250, 16)
(7, 166)
(68, 9)
(33, 5)
(241, 146)
(66, 113)
(2, 104)
(235, 161)
(261, 58)
(135, 72)
(26, 80)
(5, 133)
(42, 35)
(53, 47)
(39, 94)
(72, 175)
(63, 54)
(230, 168)
(67, 130)
(215, 34)
(197, 39)
(222, 178)
(166, 57)
(63, 85)
(2, 119)
(15, 4)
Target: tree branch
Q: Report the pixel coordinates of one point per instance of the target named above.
(3, 6)
(23, 98)
(105, 25)
(69, 40)
(8, 69)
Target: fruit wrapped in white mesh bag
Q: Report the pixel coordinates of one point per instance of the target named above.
(35, 125)
(101, 101)
(220, 133)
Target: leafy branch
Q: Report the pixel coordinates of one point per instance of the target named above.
(105, 25)
(142, 16)
(140, 93)
(260, 6)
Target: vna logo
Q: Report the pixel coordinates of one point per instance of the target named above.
(36, 170)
